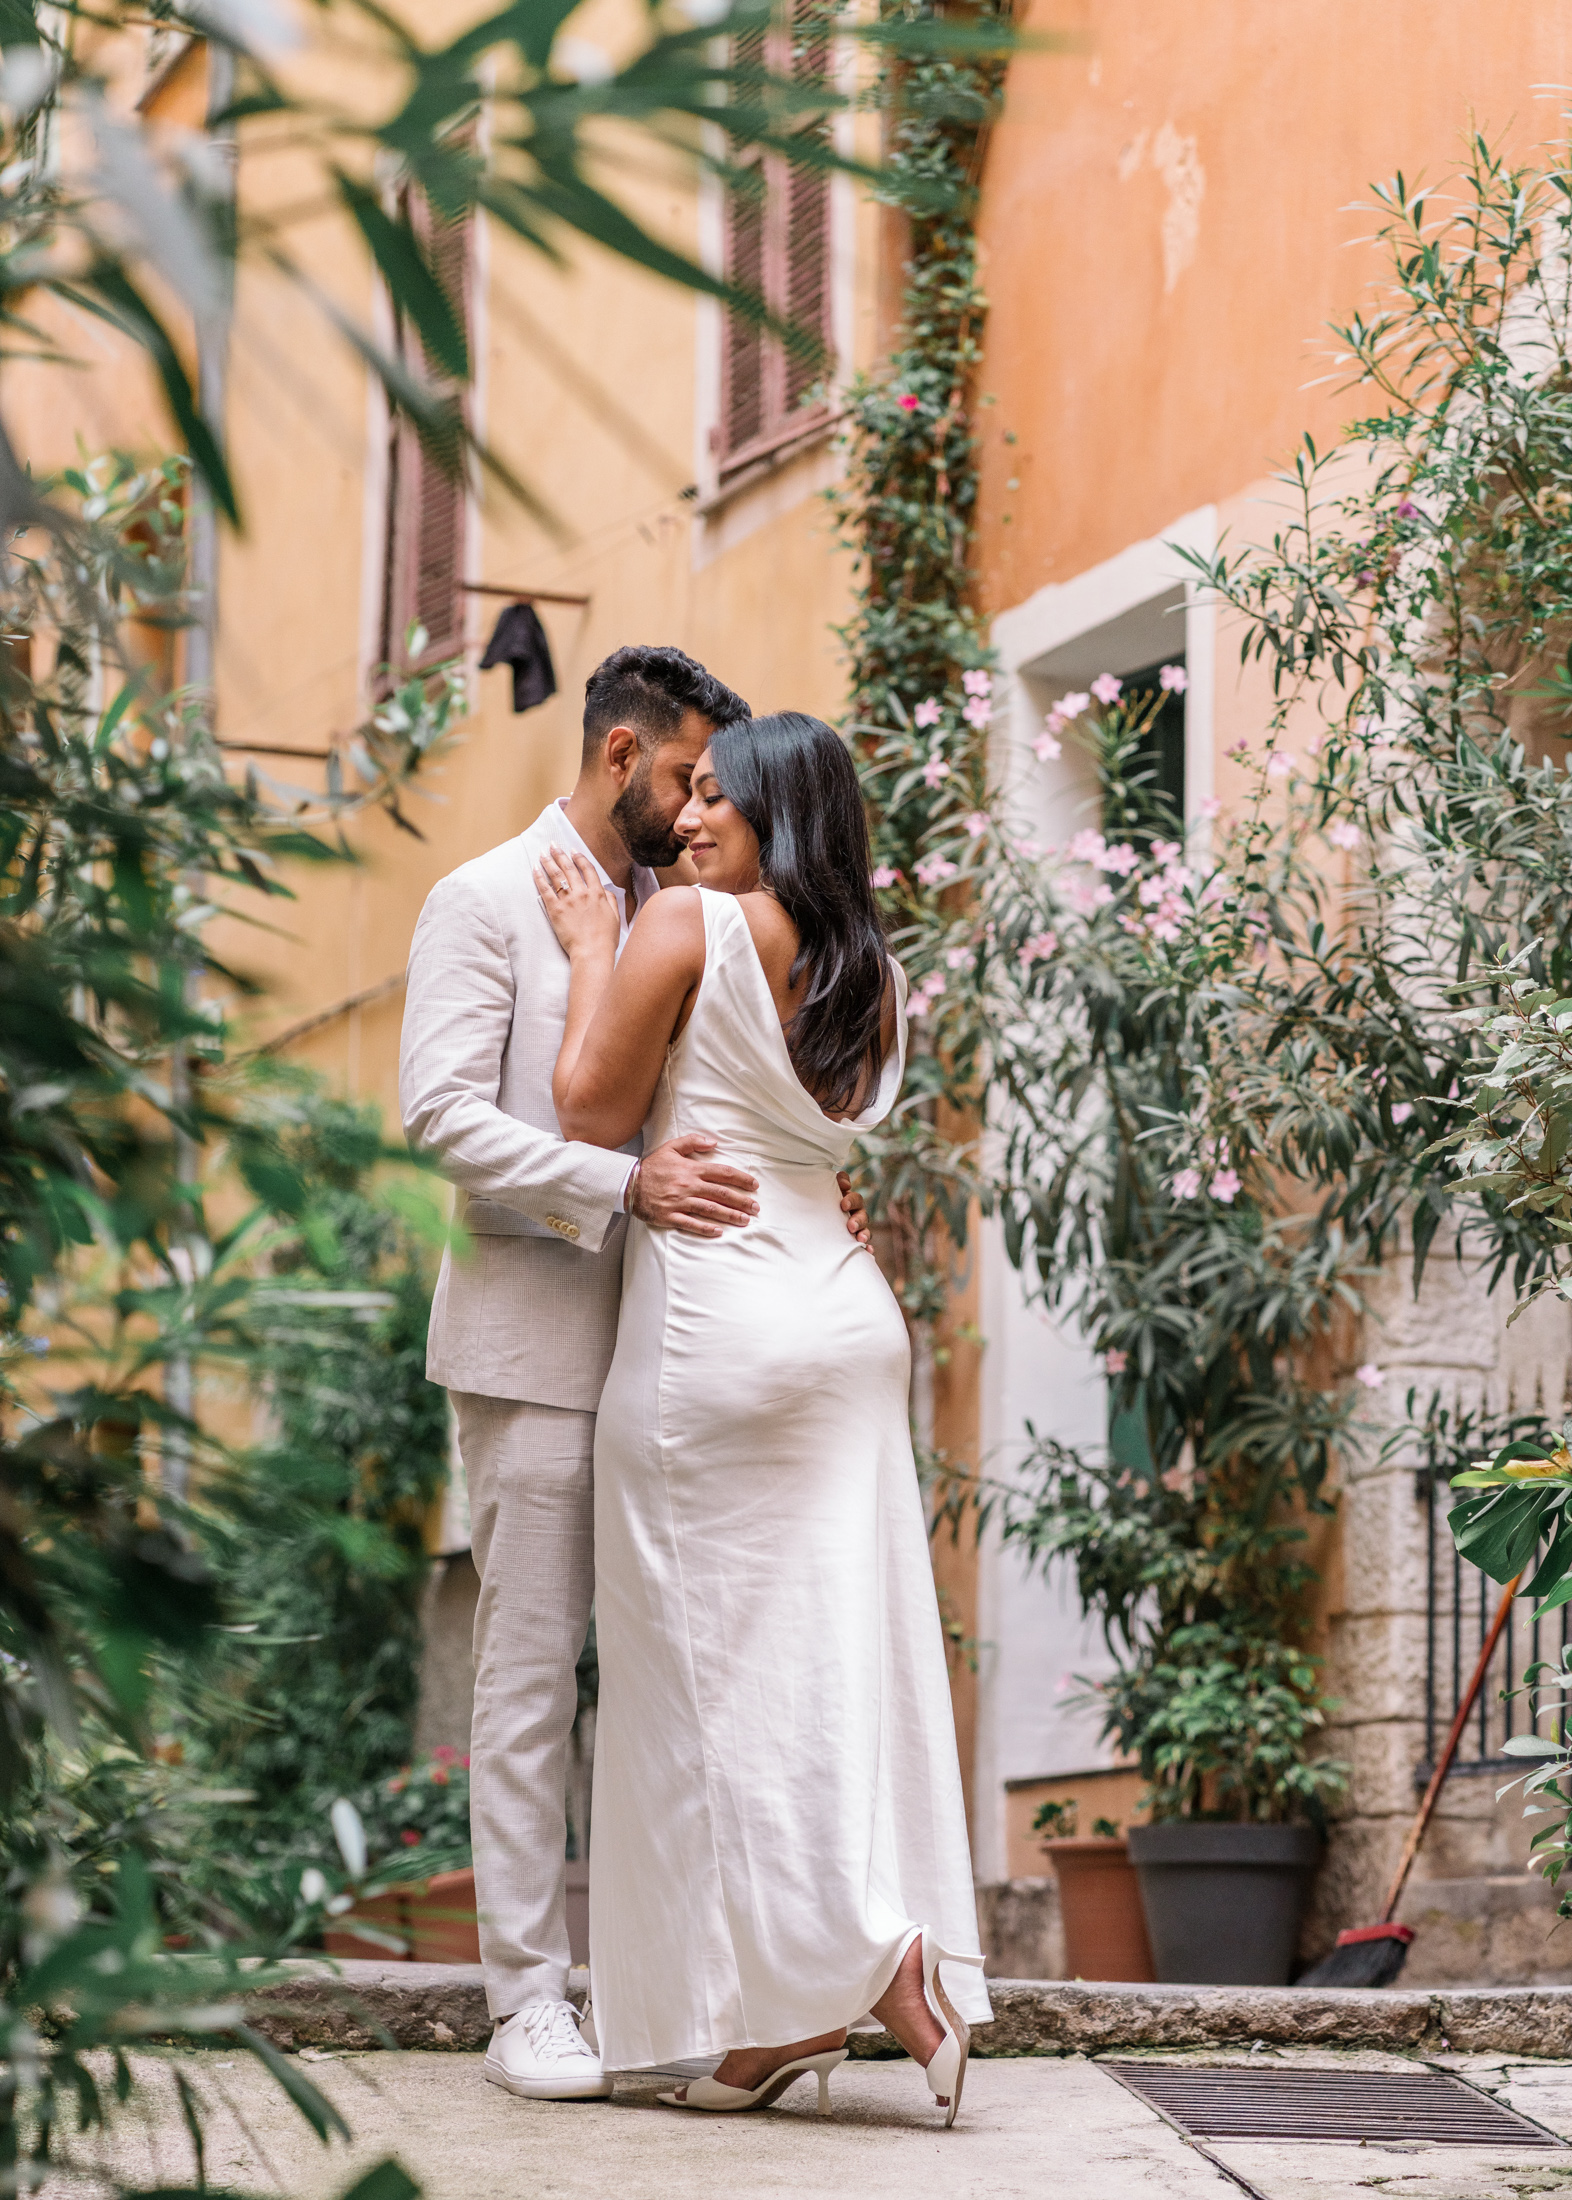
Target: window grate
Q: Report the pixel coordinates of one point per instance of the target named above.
(1273, 2103)
(1460, 1603)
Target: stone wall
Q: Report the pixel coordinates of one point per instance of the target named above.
(1482, 1918)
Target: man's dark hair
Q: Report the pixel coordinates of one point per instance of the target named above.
(650, 688)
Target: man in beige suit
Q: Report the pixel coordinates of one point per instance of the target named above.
(522, 1329)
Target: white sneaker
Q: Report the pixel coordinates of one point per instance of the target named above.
(541, 2054)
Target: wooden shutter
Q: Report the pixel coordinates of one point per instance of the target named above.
(777, 244)
(439, 543)
(806, 243)
(743, 399)
(427, 489)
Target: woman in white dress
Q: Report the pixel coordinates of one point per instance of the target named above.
(779, 1843)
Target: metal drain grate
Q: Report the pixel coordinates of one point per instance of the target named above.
(1257, 2103)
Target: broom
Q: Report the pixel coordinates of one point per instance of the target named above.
(1372, 1955)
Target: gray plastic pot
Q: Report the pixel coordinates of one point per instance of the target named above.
(1223, 1903)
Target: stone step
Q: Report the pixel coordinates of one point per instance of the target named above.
(369, 2004)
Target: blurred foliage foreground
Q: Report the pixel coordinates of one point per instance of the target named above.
(182, 1222)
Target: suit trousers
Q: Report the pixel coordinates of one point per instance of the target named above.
(530, 1470)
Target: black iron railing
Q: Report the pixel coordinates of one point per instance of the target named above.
(1460, 1603)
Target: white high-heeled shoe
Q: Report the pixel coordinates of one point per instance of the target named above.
(728, 2100)
(946, 2070)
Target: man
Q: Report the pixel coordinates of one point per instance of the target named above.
(522, 1331)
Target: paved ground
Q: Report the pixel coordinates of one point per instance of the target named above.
(1037, 2126)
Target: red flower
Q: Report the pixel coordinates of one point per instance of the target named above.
(439, 1777)
(443, 1755)
(908, 403)
(464, 1761)
(409, 1837)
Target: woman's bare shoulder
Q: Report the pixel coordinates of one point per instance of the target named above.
(671, 920)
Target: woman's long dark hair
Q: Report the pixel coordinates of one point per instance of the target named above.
(791, 777)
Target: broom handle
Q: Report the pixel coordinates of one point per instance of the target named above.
(1422, 1817)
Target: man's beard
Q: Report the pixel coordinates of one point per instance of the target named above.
(643, 827)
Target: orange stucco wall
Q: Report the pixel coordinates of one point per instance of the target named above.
(1168, 226)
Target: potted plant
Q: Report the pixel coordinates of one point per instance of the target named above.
(1223, 1719)
(417, 1820)
(1099, 1896)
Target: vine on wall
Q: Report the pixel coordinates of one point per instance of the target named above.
(919, 662)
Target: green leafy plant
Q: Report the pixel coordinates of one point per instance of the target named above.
(321, 1545)
(122, 835)
(420, 1810)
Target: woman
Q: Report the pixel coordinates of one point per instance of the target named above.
(779, 1845)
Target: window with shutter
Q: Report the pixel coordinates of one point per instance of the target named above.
(778, 246)
(427, 494)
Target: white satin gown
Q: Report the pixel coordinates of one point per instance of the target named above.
(777, 1791)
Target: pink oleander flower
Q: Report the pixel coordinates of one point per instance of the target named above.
(1165, 851)
(927, 712)
(1402, 1111)
(1114, 1361)
(1177, 1479)
(1370, 1375)
(933, 870)
(1030, 849)
(1225, 1186)
(1241, 749)
(1088, 846)
(977, 682)
(1209, 806)
(1121, 858)
(1037, 949)
(1106, 688)
(885, 874)
(917, 1004)
(1165, 926)
(934, 984)
(976, 823)
(934, 770)
(1150, 892)
(1279, 764)
(1343, 833)
(978, 712)
(1047, 748)
(908, 403)
(1173, 679)
(1316, 743)
(961, 958)
(1071, 706)
(1177, 876)
(1084, 897)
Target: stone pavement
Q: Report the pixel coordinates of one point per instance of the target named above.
(1033, 2125)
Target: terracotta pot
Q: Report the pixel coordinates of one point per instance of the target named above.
(1223, 1903)
(388, 1913)
(442, 1919)
(1100, 1900)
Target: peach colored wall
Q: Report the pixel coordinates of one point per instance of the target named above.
(1166, 234)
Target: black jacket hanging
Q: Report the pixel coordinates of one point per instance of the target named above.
(520, 641)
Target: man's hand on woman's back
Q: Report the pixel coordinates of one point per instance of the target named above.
(684, 1186)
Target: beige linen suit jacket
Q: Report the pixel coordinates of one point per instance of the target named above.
(531, 1311)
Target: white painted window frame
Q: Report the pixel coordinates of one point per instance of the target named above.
(1107, 618)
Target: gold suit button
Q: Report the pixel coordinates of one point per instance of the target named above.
(569, 1230)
